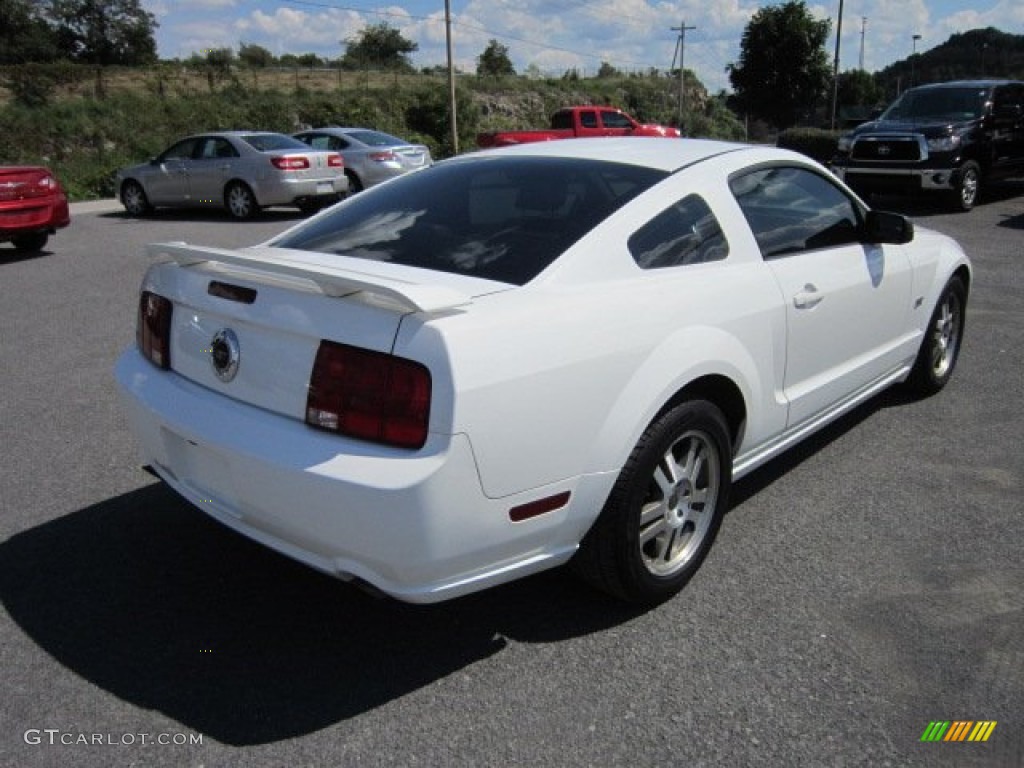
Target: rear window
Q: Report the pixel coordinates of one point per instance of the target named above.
(376, 138)
(499, 218)
(267, 142)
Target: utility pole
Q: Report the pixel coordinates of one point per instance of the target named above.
(835, 67)
(451, 75)
(681, 29)
(863, 27)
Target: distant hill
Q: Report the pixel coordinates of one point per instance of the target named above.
(969, 55)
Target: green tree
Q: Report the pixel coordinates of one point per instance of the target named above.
(783, 71)
(607, 71)
(378, 46)
(309, 60)
(494, 61)
(858, 88)
(104, 32)
(24, 34)
(255, 56)
(219, 59)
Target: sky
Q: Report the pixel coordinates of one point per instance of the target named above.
(632, 35)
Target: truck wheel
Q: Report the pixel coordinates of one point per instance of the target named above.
(968, 183)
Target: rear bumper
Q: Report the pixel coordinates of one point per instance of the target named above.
(284, 191)
(416, 526)
(21, 217)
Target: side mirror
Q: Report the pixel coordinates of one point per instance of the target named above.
(884, 227)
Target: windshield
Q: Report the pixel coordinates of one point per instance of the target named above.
(499, 218)
(945, 104)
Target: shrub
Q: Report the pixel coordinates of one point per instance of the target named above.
(816, 143)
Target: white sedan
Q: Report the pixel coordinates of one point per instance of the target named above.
(521, 357)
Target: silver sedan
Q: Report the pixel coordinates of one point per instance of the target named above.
(370, 156)
(241, 171)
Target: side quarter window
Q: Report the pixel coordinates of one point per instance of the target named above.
(684, 233)
(792, 210)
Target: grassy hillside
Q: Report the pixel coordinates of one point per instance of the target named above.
(85, 127)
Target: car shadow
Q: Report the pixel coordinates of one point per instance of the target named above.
(209, 214)
(149, 599)
(750, 485)
(926, 205)
(11, 255)
(1012, 222)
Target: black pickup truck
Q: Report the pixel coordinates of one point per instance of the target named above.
(949, 137)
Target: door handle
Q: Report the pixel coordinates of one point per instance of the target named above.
(808, 298)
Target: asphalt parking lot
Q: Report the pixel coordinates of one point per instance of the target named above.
(863, 586)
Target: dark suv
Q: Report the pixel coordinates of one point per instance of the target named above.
(952, 137)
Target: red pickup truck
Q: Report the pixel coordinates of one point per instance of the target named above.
(581, 122)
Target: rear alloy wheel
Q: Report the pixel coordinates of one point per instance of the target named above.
(664, 512)
(31, 243)
(134, 200)
(968, 184)
(940, 348)
(240, 201)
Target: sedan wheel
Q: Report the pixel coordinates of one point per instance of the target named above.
(665, 509)
(134, 200)
(940, 347)
(240, 201)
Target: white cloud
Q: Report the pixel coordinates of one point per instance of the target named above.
(630, 34)
(289, 30)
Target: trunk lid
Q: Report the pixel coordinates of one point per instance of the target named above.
(274, 306)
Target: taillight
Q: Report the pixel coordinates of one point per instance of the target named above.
(383, 157)
(153, 330)
(335, 161)
(369, 395)
(290, 163)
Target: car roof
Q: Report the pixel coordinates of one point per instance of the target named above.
(666, 154)
(236, 134)
(988, 83)
(347, 129)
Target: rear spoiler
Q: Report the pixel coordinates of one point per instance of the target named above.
(329, 279)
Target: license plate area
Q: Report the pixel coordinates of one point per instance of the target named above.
(206, 473)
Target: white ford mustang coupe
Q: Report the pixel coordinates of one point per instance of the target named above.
(519, 357)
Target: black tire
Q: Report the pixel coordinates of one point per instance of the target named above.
(968, 186)
(354, 184)
(240, 202)
(940, 348)
(30, 243)
(134, 200)
(655, 530)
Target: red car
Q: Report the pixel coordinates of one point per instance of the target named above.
(33, 206)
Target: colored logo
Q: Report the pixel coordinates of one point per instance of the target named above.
(958, 730)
